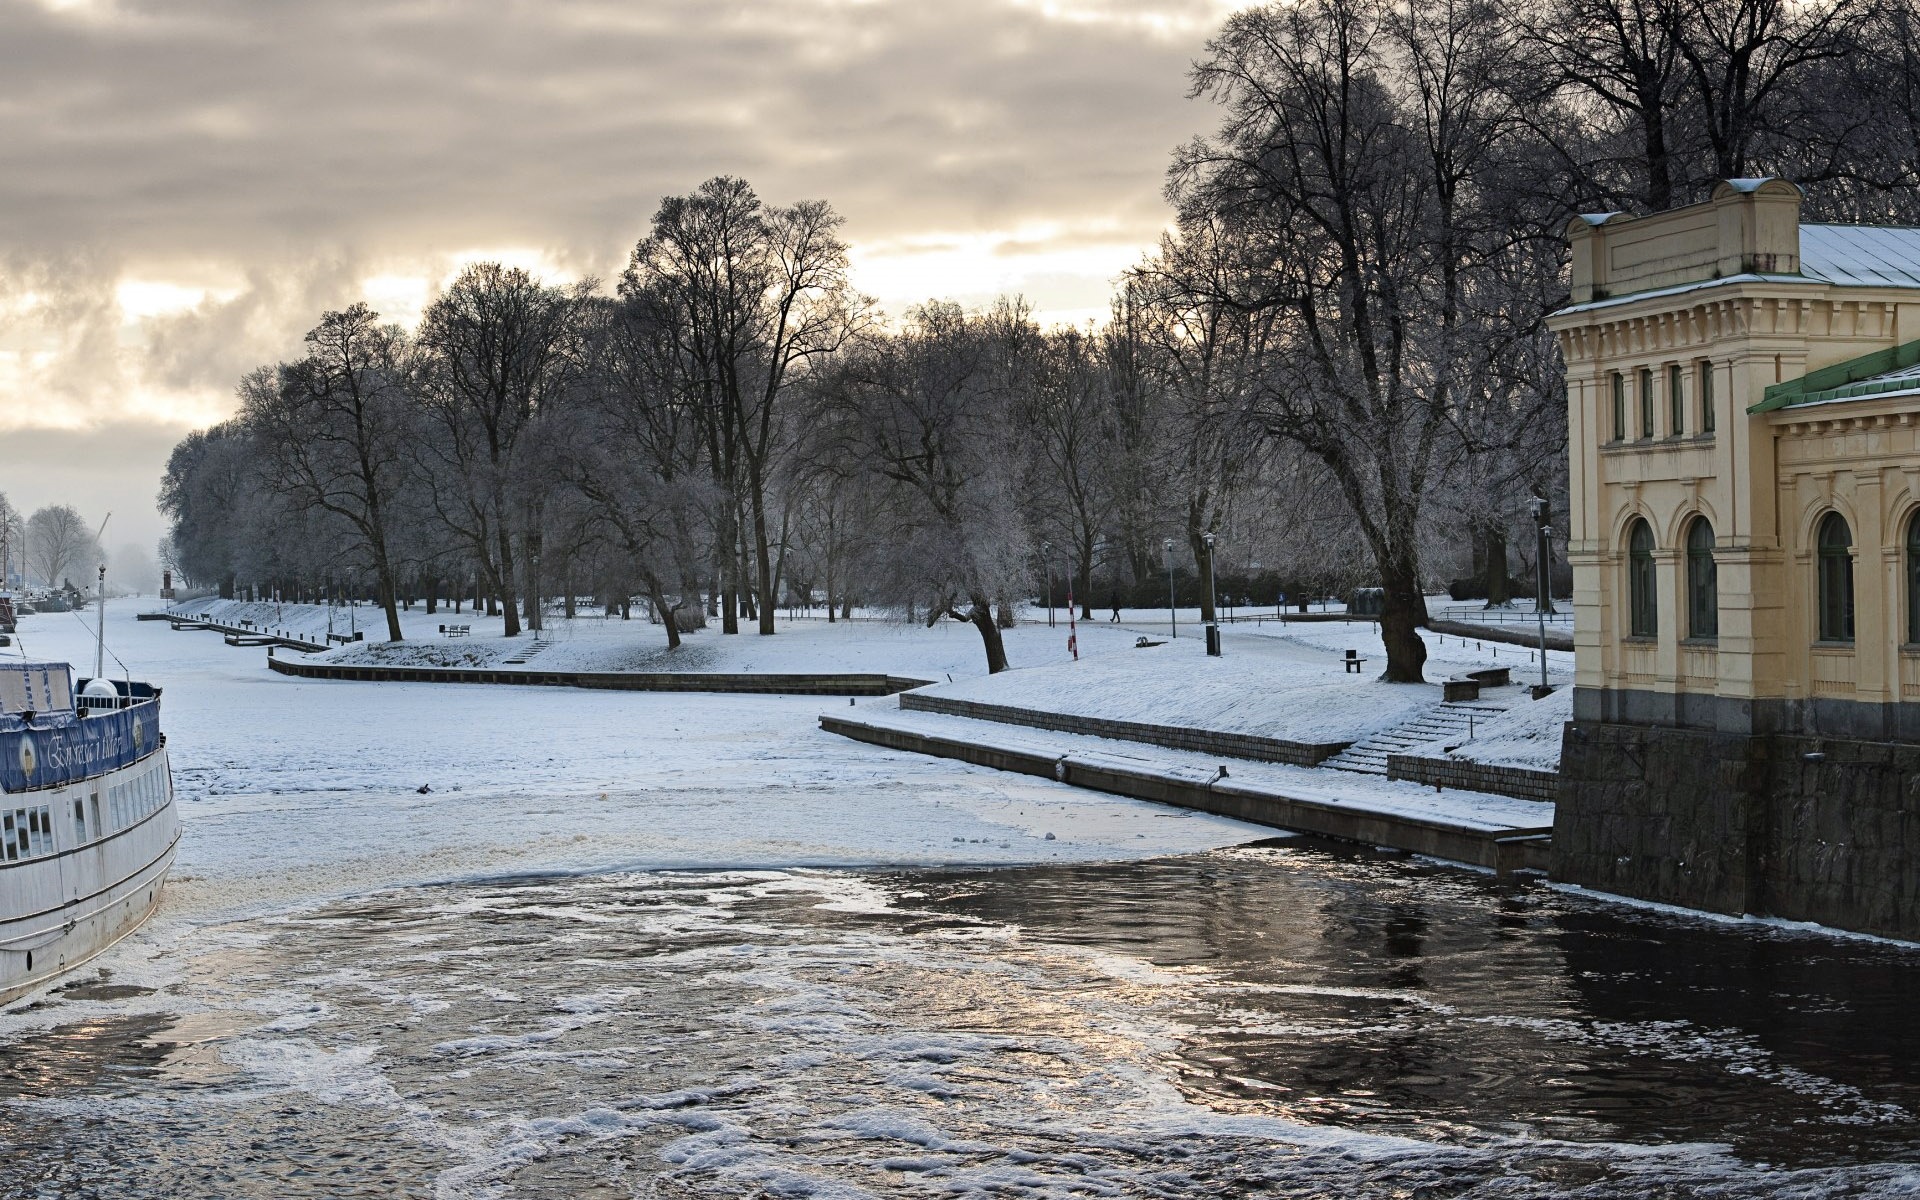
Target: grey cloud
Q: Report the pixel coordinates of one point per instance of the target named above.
(289, 148)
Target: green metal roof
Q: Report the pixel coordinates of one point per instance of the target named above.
(1896, 369)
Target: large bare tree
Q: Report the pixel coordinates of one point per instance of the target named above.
(333, 432)
(497, 346)
(753, 294)
(58, 543)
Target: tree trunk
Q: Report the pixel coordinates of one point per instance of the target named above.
(765, 580)
(982, 618)
(1493, 539)
(392, 610)
(1403, 611)
(669, 617)
(503, 581)
(1004, 617)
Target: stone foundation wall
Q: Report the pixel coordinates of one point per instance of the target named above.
(1808, 829)
(1519, 782)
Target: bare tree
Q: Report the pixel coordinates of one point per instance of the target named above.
(1353, 170)
(59, 542)
(497, 346)
(753, 295)
(332, 430)
(923, 414)
(13, 540)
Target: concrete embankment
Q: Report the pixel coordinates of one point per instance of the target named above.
(1496, 832)
(619, 681)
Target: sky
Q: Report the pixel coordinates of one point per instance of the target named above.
(186, 185)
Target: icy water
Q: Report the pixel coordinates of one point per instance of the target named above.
(1286, 1019)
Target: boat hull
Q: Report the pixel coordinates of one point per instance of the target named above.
(110, 841)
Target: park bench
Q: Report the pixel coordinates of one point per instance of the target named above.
(454, 631)
(345, 638)
(1353, 662)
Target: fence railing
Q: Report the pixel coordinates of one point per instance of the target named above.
(1480, 614)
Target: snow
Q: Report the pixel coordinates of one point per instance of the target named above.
(1476, 811)
(294, 790)
(1524, 736)
(1267, 686)
(866, 645)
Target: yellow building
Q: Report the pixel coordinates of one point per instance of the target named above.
(1745, 467)
(1744, 531)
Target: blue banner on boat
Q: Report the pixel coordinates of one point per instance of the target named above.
(65, 748)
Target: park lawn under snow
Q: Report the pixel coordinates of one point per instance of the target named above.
(868, 645)
(1279, 681)
(1259, 686)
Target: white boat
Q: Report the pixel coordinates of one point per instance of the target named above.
(87, 823)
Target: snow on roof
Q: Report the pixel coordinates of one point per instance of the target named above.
(1841, 255)
(28, 686)
(1861, 255)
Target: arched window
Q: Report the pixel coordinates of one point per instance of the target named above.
(1642, 602)
(1913, 579)
(1836, 579)
(1703, 585)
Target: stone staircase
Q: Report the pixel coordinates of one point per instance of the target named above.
(1369, 755)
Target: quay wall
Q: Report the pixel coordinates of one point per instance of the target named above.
(1792, 826)
(619, 681)
(1522, 783)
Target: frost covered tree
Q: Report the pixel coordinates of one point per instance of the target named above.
(495, 348)
(332, 432)
(59, 543)
(1352, 171)
(754, 295)
(926, 415)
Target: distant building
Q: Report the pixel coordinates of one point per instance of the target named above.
(1744, 402)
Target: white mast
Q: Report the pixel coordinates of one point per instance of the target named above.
(100, 600)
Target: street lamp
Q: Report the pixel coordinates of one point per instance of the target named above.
(1213, 596)
(1173, 613)
(1046, 558)
(1541, 556)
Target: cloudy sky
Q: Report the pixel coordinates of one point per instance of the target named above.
(186, 184)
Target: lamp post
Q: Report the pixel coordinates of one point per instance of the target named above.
(1540, 515)
(1213, 596)
(1046, 557)
(1173, 613)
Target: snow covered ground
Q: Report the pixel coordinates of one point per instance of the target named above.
(294, 789)
(595, 643)
(1279, 681)
(1268, 686)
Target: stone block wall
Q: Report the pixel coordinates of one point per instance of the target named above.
(1808, 829)
(1519, 782)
